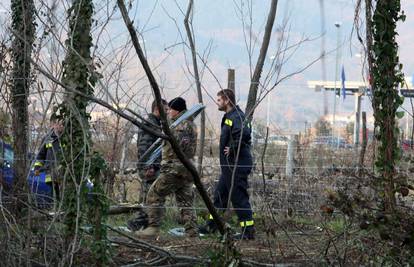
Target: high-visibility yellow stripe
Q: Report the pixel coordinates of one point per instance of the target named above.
(48, 178)
(228, 122)
(49, 145)
(210, 217)
(246, 223)
(38, 164)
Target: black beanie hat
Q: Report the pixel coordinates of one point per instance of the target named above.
(177, 104)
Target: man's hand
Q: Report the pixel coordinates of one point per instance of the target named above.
(226, 150)
(149, 173)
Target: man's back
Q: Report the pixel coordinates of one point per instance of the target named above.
(186, 135)
(49, 152)
(145, 140)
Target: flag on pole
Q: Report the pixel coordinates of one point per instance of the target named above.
(343, 83)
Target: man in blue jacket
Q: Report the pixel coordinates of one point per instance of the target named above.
(236, 164)
(49, 155)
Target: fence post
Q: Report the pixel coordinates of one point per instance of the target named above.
(364, 143)
(290, 155)
(231, 80)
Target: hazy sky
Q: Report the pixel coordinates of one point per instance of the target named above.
(218, 24)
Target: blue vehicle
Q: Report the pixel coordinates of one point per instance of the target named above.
(42, 191)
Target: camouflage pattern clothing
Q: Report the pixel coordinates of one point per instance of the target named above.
(145, 140)
(175, 179)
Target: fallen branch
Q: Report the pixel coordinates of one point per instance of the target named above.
(141, 243)
(120, 209)
(164, 253)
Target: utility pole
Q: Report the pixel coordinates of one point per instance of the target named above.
(338, 41)
(323, 58)
(231, 84)
(357, 119)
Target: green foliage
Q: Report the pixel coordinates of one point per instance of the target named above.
(373, 204)
(76, 137)
(387, 76)
(23, 26)
(220, 255)
(98, 206)
(79, 162)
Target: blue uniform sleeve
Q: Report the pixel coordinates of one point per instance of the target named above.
(41, 156)
(225, 134)
(236, 134)
(231, 133)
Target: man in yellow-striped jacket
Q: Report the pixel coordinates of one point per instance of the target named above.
(47, 159)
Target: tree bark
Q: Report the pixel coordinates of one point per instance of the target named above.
(190, 167)
(364, 143)
(23, 25)
(254, 84)
(190, 37)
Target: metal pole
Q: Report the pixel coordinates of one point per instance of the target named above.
(231, 79)
(338, 26)
(323, 58)
(290, 156)
(357, 118)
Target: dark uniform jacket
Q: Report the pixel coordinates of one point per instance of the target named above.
(233, 128)
(48, 156)
(145, 140)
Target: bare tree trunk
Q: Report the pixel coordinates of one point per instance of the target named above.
(368, 17)
(263, 160)
(125, 143)
(190, 36)
(388, 77)
(23, 25)
(254, 84)
(364, 143)
(190, 167)
(79, 161)
(112, 159)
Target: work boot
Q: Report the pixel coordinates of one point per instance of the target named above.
(209, 228)
(247, 233)
(148, 231)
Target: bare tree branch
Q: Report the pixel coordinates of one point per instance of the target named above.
(190, 167)
(198, 85)
(254, 84)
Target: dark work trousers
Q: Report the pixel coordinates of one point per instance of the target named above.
(239, 196)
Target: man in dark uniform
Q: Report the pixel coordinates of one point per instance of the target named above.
(148, 174)
(236, 164)
(49, 155)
